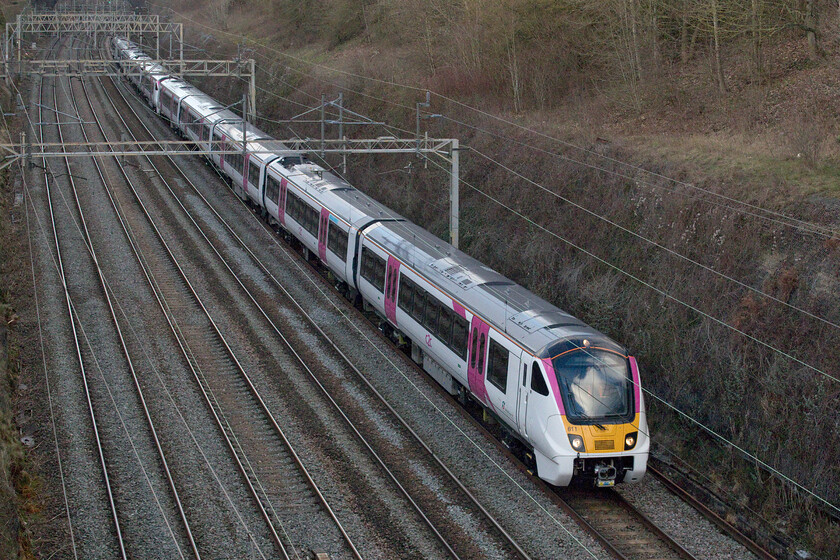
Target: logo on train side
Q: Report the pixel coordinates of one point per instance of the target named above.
(429, 340)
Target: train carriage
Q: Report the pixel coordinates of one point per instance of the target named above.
(172, 94)
(509, 363)
(197, 115)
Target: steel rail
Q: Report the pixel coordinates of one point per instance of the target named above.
(71, 314)
(622, 547)
(218, 416)
(302, 362)
(515, 545)
(184, 347)
(123, 343)
(709, 514)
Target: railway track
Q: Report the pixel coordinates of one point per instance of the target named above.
(601, 512)
(181, 286)
(626, 532)
(100, 348)
(640, 535)
(453, 543)
(49, 183)
(281, 488)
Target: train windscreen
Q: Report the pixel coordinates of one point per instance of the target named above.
(595, 385)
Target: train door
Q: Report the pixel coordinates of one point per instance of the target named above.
(392, 278)
(281, 202)
(322, 234)
(477, 362)
(539, 404)
(522, 404)
(246, 171)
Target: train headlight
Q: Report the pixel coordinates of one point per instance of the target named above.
(630, 440)
(577, 443)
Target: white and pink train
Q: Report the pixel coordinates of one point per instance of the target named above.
(561, 390)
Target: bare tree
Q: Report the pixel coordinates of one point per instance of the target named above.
(716, 37)
(811, 28)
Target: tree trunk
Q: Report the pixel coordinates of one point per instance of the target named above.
(637, 63)
(716, 36)
(654, 36)
(513, 67)
(758, 62)
(684, 40)
(811, 25)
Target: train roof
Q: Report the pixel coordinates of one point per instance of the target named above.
(232, 128)
(345, 201)
(180, 88)
(530, 320)
(511, 308)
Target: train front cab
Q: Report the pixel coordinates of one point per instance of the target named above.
(600, 434)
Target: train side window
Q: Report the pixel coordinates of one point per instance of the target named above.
(474, 351)
(337, 241)
(272, 189)
(445, 325)
(524, 375)
(497, 367)
(482, 346)
(253, 173)
(430, 319)
(310, 218)
(295, 208)
(428, 310)
(380, 273)
(395, 284)
(367, 265)
(373, 269)
(538, 381)
(435, 316)
(419, 303)
(459, 336)
(389, 282)
(406, 294)
(392, 283)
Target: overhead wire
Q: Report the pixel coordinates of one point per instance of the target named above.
(657, 245)
(661, 292)
(647, 284)
(449, 420)
(806, 227)
(708, 429)
(803, 224)
(74, 312)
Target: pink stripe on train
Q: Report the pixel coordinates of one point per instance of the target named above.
(552, 380)
(637, 384)
(459, 309)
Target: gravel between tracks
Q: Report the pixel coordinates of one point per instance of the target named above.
(698, 535)
(526, 512)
